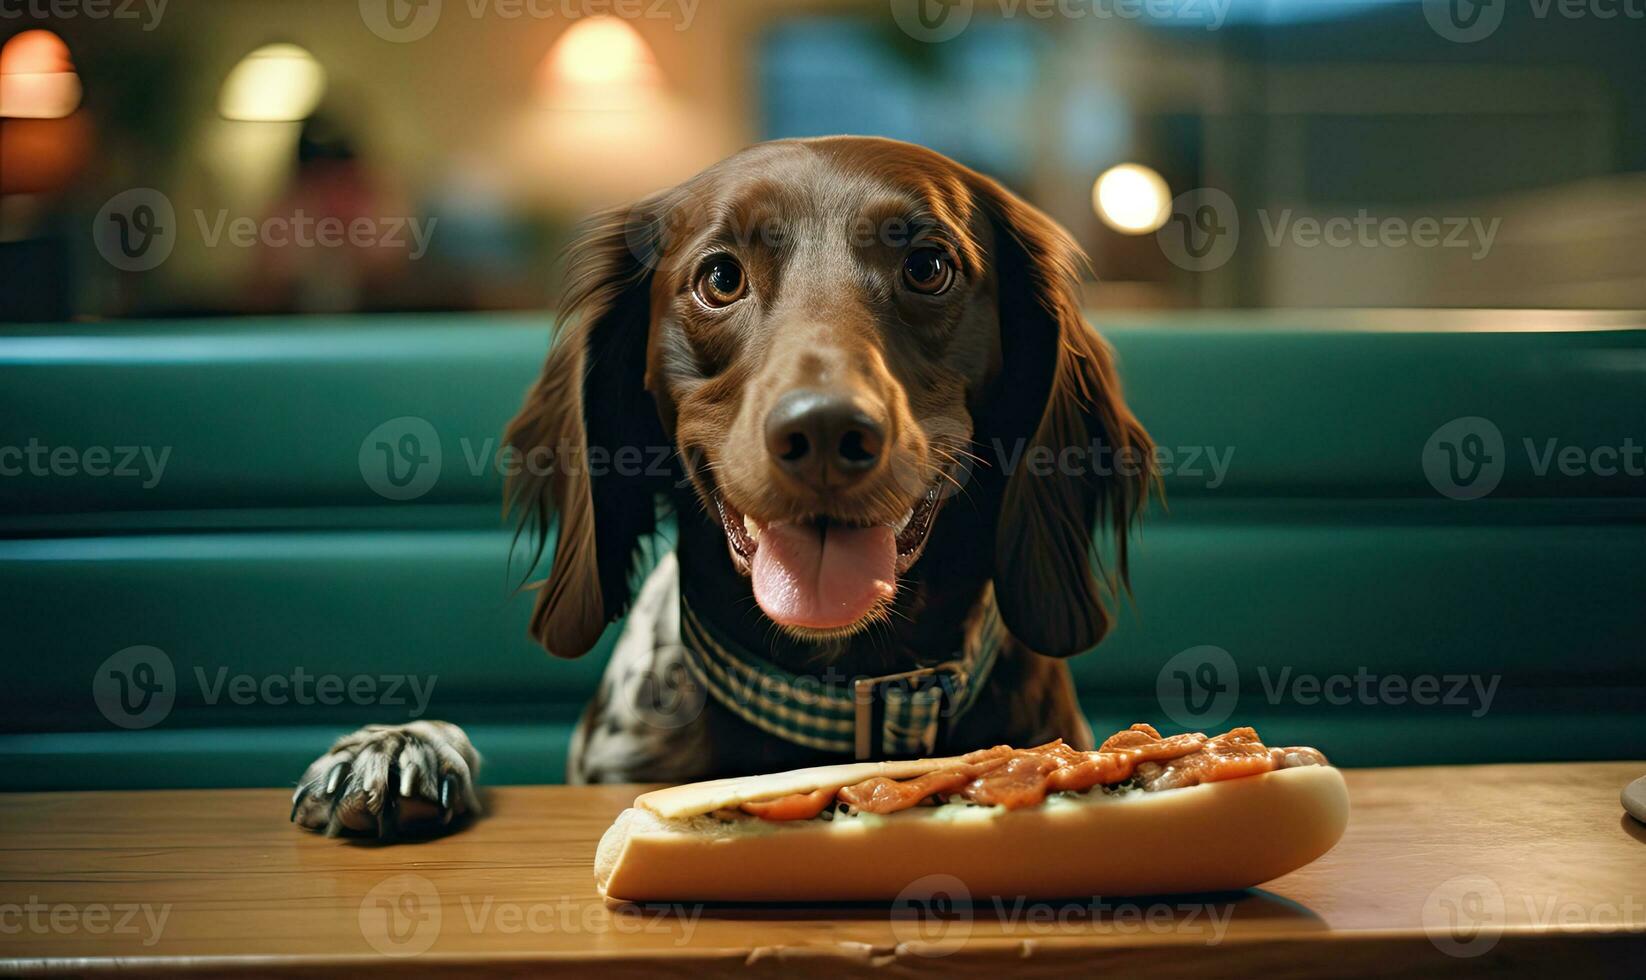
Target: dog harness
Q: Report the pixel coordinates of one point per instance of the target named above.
(890, 715)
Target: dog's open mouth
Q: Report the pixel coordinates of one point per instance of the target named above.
(823, 574)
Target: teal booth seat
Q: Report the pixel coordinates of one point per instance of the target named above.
(207, 570)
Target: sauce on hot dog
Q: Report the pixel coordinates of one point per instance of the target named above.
(1015, 778)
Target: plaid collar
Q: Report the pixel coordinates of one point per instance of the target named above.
(867, 717)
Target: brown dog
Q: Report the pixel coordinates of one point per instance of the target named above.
(853, 368)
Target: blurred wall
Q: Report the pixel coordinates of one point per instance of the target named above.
(1302, 116)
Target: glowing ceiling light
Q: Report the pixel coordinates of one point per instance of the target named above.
(598, 57)
(275, 83)
(1131, 198)
(37, 78)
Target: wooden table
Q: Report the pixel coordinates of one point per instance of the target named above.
(1521, 868)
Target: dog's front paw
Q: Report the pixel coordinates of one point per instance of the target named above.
(391, 780)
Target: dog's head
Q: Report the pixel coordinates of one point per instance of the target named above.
(833, 337)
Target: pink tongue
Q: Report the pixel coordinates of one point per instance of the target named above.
(823, 579)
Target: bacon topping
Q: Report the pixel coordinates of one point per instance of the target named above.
(1015, 778)
(795, 806)
(1055, 767)
(882, 795)
(1237, 752)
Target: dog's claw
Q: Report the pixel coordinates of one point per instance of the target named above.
(446, 796)
(297, 801)
(388, 814)
(334, 820)
(335, 777)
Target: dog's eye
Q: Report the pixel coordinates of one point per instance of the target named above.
(928, 270)
(721, 282)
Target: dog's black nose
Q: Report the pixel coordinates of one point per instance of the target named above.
(826, 440)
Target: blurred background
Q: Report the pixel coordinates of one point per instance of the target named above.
(181, 158)
(274, 275)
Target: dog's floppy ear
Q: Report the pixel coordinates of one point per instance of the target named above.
(1057, 389)
(587, 441)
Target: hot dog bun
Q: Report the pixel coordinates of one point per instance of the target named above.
(1230, 834)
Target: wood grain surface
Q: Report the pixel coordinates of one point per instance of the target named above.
(1450, 869)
